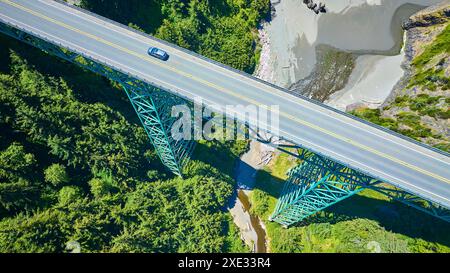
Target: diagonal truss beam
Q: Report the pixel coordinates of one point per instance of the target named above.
(152, 105)
(319, 182)
(153, 109)
(314, 185)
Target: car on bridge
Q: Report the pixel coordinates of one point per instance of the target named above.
(158, 53)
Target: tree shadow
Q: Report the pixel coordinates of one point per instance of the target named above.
(146, 14)
(394, 216)
(216, 154)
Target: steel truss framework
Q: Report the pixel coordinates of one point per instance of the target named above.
(152, 105)
(312, 186)
(319, 182)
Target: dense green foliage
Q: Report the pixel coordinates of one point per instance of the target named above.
(73, 169)
(432, 75)
(77, 168)
(221, 30)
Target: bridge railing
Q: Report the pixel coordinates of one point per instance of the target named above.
(252, 77)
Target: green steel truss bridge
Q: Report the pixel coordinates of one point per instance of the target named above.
(340, 154)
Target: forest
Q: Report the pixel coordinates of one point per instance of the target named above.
(78, 173)
(73, 168)
(76, 167)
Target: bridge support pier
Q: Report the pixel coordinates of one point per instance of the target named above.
(318, 183)
(314, 185)
(152, 105)
(153, 108)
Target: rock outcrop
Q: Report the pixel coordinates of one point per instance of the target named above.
(420, 103)
(434, 15)
(317, 8)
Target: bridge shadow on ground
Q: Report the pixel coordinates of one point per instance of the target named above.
(391, 215)
(216, 154)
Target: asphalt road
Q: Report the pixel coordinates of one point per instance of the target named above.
(384, 156)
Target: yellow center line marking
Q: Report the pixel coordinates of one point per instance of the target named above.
(207, 65)
(224, 90)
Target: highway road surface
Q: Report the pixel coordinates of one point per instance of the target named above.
(380, 154)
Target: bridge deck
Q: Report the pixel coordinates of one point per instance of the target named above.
(382, 155)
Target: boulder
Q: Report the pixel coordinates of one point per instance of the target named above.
(322, 8)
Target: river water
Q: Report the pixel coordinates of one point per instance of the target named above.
(255, 223)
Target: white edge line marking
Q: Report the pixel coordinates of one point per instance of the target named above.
(220, 88)
(146, 76)
(244, 79)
